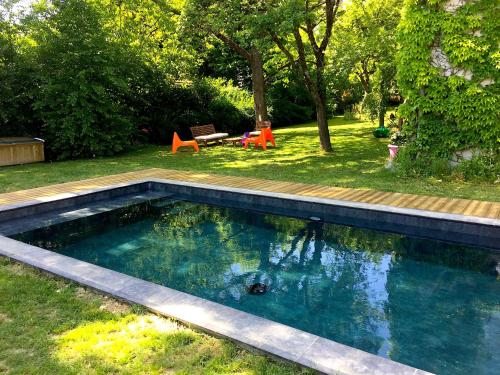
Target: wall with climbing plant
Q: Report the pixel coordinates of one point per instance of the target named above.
(449, 73)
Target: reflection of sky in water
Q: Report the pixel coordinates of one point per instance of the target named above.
(378, 294)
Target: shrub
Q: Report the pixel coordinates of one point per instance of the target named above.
(370, 105)
(290, 104)
(83, 86)
(381, 132)
(175, 108)
(18, 86)
(349, 116)
(485, 167)
(410, 163)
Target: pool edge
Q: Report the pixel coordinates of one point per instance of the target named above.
(457, 228)
(272, 338)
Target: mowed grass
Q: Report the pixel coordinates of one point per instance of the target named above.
(358, 161)
(50, 326)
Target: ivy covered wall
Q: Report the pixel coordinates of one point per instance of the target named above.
(449, 73)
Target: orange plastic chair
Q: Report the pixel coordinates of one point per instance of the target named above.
(177, 142)
(266, 135)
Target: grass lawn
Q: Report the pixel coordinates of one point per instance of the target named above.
(357, 162)
(50, 326)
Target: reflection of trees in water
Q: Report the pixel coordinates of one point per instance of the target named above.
(57, 236)
(324, 282)
(181, 251)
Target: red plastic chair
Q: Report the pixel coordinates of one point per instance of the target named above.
(266, 135)
(177, 142)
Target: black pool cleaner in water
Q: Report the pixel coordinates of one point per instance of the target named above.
(257, 289)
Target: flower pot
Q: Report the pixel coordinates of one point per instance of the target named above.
(393, 151)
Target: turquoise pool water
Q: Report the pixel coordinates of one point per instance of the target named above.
(427, 304)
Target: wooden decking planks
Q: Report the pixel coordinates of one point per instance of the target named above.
(422, 202)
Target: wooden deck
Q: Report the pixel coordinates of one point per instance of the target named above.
(455, 206)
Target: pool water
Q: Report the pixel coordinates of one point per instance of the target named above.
(430, 305)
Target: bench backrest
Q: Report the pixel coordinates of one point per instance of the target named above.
(202, 130)
(262, 124)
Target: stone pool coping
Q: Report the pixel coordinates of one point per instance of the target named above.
(266, 336)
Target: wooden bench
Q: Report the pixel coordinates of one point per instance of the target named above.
(259, 125)
(206, 133)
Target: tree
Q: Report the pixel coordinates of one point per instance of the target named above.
(228, 21)
(83, 83)
(149, 29)
(366, 42)
(18, 76)
(307, 26)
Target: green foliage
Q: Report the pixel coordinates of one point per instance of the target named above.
(240, 99)
(220, 61)
(18, 78)
(363, 53)
(349, 116)
(174, 108)
(344, 92)
(90, 76)
(481, 167)
(291, 103)
(456, 107)
(83, 85)
(371, 104)
(409, 163)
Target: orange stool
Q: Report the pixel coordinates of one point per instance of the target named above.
(177, 142)
(265, 136)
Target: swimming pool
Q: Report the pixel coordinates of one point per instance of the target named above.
(428, 304)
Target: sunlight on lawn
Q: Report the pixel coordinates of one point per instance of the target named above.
(136, 341)
(148, 344)
(357, 161)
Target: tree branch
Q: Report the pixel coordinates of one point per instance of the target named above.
(283, 48)
(309, 29)
(234, 46)
(303, 61)
(331, 8)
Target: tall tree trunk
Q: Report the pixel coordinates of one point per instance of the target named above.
(258, 85)
(254, 58)
(322, 117)
(381, 118)
(319, 95)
